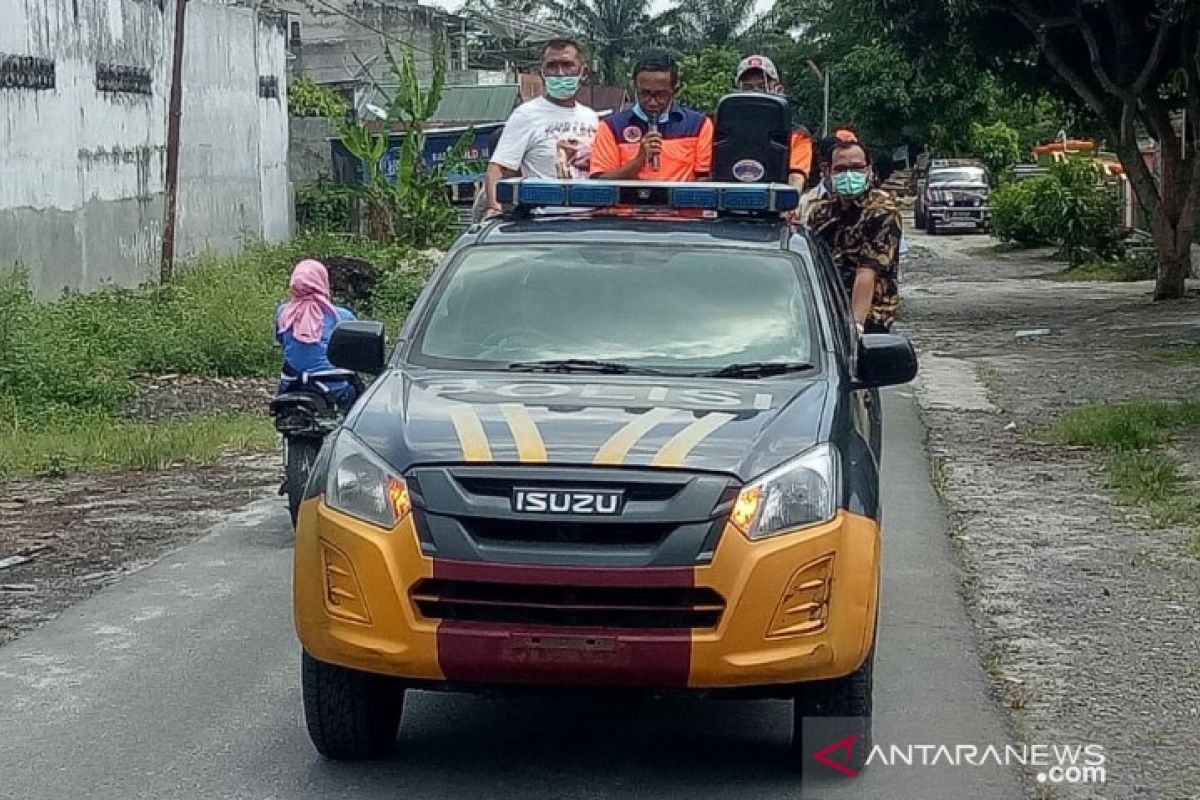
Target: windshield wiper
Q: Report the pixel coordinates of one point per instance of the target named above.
(576, 365)
(758, 369)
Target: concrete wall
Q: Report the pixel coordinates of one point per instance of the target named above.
(82, 186)
(332, 33)
(308, 153)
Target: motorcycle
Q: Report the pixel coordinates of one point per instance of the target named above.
(304, 416)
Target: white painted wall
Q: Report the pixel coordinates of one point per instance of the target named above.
(82, 171)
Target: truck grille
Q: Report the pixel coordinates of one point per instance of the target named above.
(512, 531)
(569, 606)
(668, 518)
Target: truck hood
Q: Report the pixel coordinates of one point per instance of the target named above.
(740, 427)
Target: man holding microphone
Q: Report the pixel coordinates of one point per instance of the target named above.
(657, 139)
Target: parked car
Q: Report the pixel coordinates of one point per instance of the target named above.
(953, 193)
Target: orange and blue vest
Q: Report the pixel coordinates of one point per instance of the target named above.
(686, 151)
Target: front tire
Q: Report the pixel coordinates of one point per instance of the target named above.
(351, 715)
(837, 710)
(299, 457)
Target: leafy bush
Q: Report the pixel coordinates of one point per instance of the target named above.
(1013, 216)
(1088, 210)
(307, 98)
(1070, 206)
(323, 207)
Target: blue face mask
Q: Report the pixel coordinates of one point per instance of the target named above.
(563, 87)
(641, 114)
(851, 184)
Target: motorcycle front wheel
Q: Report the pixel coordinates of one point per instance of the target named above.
(298, 457)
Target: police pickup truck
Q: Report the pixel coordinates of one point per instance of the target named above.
(631, 447)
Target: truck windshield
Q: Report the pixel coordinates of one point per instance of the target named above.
(650, 307)
(967, 175)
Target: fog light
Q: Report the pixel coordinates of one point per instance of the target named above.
(804, 608)
(343, 595)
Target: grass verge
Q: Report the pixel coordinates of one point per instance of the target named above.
(1139, 474)
(1177, 354)
(102, 443)
(1125, 426)
(1138, 266)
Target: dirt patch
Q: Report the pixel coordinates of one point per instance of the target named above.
(64, 539)
(83, 533)
(1092, 618)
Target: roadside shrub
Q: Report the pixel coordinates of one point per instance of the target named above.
(1070, 206)
(57, 356)
(1013, 217)
(1088, 212)
(323, 207)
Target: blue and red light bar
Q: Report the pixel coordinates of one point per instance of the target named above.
(765, 198)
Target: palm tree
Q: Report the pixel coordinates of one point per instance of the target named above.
(614, 28)
(698, 23)
(510, 32)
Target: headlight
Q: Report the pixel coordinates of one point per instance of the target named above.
(361, 484)
(800, 493)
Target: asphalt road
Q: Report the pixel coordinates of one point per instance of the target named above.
(183, 681)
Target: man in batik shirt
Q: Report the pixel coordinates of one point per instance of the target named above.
(862, 228)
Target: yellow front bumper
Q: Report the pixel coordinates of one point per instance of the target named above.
(798, 607)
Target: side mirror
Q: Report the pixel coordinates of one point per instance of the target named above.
(358, 345)
(885, 359)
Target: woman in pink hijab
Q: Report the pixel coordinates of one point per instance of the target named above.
(303, 326)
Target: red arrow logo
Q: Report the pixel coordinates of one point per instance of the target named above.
(845, 744)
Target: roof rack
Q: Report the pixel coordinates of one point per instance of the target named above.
(724, 198)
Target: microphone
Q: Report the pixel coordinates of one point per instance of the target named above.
(654, 159)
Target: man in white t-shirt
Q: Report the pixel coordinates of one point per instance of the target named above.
(549, 136)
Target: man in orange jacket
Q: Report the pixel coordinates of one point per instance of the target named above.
(758, 74)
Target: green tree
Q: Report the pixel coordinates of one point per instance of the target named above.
(1131, 63)
(707, 76)
(998, 144)
(711, 23)
(617, 30)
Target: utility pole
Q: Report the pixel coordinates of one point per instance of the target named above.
(174, 116)
(823, 75)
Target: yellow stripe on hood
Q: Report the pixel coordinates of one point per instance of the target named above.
(471, 435)
(530, 447)
(617, 448)
(676, 451)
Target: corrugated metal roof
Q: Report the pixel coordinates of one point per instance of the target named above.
(477, 103)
